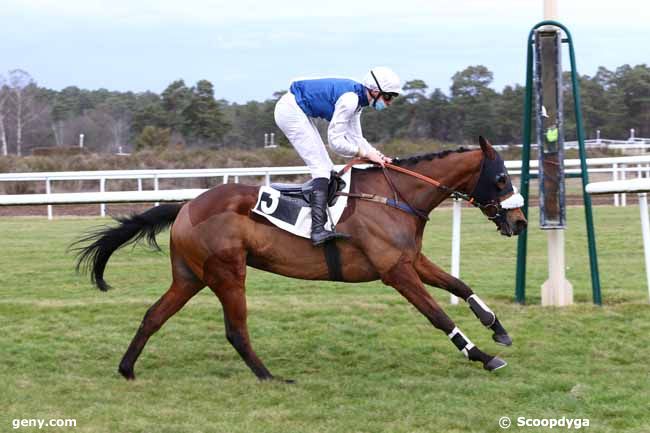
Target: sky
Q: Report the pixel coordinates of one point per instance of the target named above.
(250, 49)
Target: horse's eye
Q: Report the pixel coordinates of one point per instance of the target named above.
(502, 178)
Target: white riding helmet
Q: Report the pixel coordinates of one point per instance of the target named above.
(384, 80)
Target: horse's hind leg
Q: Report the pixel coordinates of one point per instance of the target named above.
(405, 279)
(431, 274)
(184, 286)
(226, 277)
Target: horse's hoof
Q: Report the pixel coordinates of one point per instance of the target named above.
(127, 373)
(495, 364)
(502, 339)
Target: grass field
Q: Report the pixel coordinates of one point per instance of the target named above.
(363, 358)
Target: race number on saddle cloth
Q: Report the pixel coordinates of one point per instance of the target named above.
(294, 214)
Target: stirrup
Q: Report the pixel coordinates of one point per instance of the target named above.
(320, 237)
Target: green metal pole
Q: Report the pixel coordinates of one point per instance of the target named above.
(522, 242)
(591, 235)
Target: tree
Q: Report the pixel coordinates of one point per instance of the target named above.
(115, 115)
(4, 95)
(415, 90)
(26, 108)
(509, 114)
(176, 98)
(148, 111)
(633, 84)
(203, 119)
(473, 100)
(152, 137)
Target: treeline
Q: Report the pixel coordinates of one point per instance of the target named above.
(192, 116)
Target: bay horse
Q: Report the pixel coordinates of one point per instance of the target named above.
(214, 237)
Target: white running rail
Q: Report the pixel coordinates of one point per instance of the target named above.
(641, 187)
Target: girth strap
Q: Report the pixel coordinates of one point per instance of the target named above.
(333, 260)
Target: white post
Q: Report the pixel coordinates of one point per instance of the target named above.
(267, 179)
(645, 229)
(225, 178)
(102, 188)
(139, 184)
(556, 290)
(81, 141)
(598, 136)
(455, 243)
(631, 135)
(48, 190)
(236, 179)
(615, 177)
(623, 177)
(155, 187)
(550, 10)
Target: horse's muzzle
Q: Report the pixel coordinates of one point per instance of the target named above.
(512, 224)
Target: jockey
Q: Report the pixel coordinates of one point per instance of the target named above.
(339, 101)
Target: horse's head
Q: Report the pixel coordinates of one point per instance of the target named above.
(495, 195)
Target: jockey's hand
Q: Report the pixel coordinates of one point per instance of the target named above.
(377, 157)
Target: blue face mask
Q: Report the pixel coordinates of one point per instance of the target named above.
(379, 104)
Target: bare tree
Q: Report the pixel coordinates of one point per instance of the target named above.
(114, 115)
(4, 94)
(26, 107)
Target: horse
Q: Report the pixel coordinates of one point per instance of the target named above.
(215, 236)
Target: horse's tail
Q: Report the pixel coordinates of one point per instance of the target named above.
(105, 240)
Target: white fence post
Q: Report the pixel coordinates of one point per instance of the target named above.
(645, 229)
(623, 177)
(155, 187)
(48, 190)
(102, 188)
(455, 242)
(615, 177)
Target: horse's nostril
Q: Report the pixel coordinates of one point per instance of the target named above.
(520, 226)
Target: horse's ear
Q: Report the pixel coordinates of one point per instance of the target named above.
(486, 147)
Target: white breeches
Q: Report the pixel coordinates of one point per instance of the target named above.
(303, 135)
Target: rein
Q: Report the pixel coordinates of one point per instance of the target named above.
(373, 197)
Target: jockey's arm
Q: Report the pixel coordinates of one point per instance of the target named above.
(340, 135)
(355, 135)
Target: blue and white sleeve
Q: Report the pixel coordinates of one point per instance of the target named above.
(339, 134)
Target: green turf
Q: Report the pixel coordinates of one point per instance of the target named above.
(364, 360)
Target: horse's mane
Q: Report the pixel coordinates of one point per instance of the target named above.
(414, 159)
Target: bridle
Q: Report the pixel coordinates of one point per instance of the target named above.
(490, 206)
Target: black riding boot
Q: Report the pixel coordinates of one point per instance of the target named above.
(318, 201)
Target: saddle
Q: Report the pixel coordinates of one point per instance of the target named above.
(302, 192)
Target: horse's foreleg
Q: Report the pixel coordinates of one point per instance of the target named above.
(168, 305)
(431, 274)
(405, 279)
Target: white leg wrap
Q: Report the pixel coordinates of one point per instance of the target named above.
(461, 341)
(481, 310)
